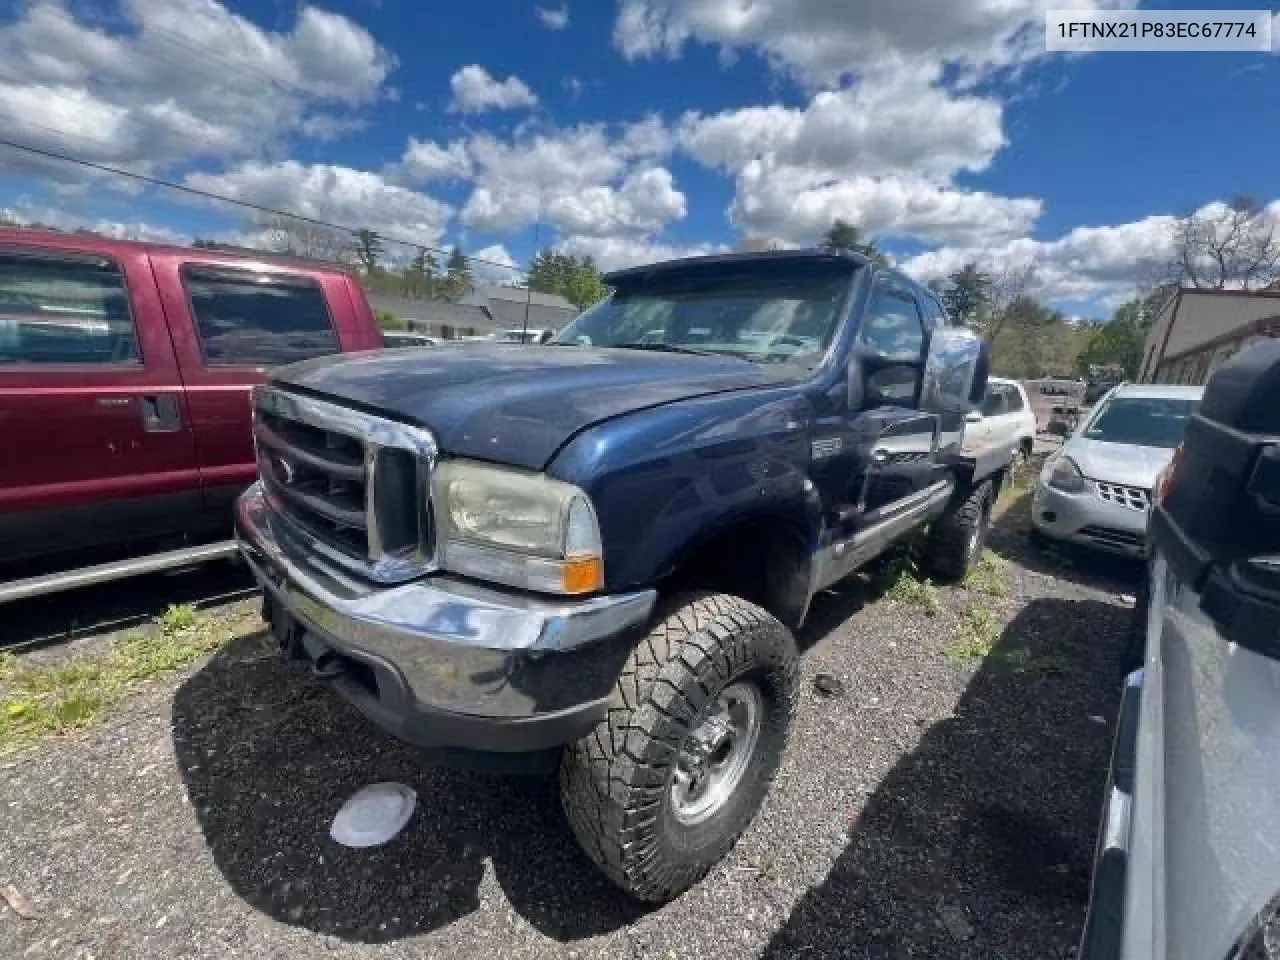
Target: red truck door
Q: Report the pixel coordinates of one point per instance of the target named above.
(231, 320)
(96, 446)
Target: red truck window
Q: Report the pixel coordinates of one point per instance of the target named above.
(60, 309)
(244, 318)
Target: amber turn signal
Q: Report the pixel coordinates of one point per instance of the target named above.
(582, 574)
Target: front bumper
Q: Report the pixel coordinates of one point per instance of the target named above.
(442, 662)
(1086, 519)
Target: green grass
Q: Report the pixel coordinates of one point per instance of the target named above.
(904, 584)
(988, 575)
(36, 701)
(979, 631)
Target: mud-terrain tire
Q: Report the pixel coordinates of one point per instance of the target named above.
(626, 788)
(956, 538)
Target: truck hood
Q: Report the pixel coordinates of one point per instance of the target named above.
(1123, 463)
(516, 404)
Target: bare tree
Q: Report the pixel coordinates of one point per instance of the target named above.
(297, 238)
(1004, 289)
(1226, 245)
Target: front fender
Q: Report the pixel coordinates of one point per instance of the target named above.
(664, 481)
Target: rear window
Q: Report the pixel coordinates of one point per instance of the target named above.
(61, 309)
(245, 318)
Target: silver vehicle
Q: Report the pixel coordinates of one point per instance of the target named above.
(1096, 489)
(1188, 854)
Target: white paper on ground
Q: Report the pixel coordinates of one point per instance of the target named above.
(374, 815)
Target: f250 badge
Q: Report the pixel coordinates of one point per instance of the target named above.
(827, 447)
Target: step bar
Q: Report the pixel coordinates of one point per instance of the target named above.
(48, 583)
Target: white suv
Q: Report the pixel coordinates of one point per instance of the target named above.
(1006, 421)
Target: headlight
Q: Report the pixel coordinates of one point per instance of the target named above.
(522, 529)
(1066, 476)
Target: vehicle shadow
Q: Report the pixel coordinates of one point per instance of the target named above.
(1010, 537)
(86, 611)
(985, 831)
(268, 755)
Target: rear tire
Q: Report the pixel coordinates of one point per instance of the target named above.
(638, 791)
(956, 538)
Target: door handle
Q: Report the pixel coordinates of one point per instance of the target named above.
(161, 413)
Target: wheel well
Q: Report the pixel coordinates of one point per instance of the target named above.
(763, 559)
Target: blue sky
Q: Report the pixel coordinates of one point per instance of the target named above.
(639, 130)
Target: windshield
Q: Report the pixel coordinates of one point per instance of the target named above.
(765, 314)
(1142, 421)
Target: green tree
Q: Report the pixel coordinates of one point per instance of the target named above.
(387, 320)
(457, 279)
(586, 286)
(421, 276)
(577, 280)
(843, 235)
(369, 248)
(967, 294)
(1118, 342)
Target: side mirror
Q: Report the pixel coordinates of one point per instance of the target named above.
(955, 373)
(973, 416)
(981, 372)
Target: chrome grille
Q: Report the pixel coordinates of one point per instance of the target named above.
(1135, 498)
(357, 485)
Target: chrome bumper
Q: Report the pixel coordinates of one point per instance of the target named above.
(442, 650)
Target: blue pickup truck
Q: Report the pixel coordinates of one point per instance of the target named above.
(589, 556)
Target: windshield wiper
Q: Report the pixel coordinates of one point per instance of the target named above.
(665, 348)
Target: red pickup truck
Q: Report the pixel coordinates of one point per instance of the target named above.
(125, 374)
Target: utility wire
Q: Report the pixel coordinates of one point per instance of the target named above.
(209, 195)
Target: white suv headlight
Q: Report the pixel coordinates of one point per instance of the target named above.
(518, 528)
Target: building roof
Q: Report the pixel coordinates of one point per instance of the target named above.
(436, 311)
(511, 315)
(498, 292)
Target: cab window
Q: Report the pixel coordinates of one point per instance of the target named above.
(245, 318)
(64, 309)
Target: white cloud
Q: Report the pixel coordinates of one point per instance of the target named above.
(891, 127)
(498, 266)
(882, 155)
(824, 40)
(796, 207)
(475, 91)
(554, 18)
(179, 80)
(582, 180)
(615, 253)
(425, 160)
(27, 214)
(1100, 264)
(335, 194)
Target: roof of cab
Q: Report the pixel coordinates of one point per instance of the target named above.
(763, 256)
(93, 242)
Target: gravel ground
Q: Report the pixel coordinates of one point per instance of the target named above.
(937, 808)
